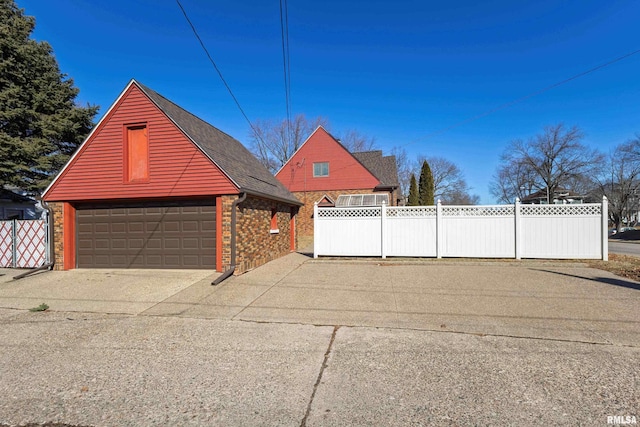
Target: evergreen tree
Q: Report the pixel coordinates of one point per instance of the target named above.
(414, 197)
(426, 189)
(40, 124)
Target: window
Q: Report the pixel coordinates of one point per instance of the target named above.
(274, 221)
(321, 169)
(137, 153)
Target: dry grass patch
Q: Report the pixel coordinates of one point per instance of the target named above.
(620, 265)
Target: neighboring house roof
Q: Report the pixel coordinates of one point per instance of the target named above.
(228, 153)
(8, 195)
(355, 200)
(558, 194)
(345, 172)
(383, 167)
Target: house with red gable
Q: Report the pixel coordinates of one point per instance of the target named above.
(322, 170)
(154, 186)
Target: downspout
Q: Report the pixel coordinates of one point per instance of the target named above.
(230, 271)
(52, 255)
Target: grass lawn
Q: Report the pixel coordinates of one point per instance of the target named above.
(620, 265)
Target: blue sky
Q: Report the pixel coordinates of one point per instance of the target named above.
(397, 71)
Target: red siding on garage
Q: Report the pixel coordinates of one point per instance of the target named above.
(345, 171)
(176, 166)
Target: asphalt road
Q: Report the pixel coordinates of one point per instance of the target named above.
(624, 248)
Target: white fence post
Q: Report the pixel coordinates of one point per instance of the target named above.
(605, 228)
(439, 232)
(383, 224)
(517, 230)
(315, 230)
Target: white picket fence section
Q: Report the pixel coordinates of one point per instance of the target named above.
(497, 231)
(23, 243)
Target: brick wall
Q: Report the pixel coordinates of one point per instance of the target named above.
(227, 201)
(58, 234)
(256, 244)
(304, 220)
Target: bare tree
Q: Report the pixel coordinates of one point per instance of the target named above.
(356, 142)
(273, 143)
(513, 179)
(461, 197)
(449, 184)
(550, 160)
(618, 181)
(404, 170)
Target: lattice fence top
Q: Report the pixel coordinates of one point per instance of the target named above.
(373, 212)
(486, 211)
(411, 211)
(591, 209)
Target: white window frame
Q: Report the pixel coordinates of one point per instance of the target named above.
(320, 166)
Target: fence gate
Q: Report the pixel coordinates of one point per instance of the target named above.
(23, 243)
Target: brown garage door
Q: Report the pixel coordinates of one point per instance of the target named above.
(147, 235)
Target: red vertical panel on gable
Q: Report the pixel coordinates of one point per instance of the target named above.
(137, 153)
(345, 172)
(177, 168)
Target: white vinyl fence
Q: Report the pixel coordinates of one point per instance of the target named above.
(23, 243)
(502, 231)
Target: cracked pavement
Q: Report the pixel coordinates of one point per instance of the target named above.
(319, 343)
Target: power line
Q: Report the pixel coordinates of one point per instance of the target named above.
(531, 95)
(193, 28)
(284, 28)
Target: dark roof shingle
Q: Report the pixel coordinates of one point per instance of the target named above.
(225, 151)
(383, 167)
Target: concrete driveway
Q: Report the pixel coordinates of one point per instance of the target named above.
(300, 342)
(535, 299)
(98, 291)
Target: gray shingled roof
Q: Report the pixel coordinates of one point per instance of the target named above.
(228, 153)
(383, 167)
(6, 194)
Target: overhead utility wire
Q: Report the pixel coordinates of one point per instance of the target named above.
(255, 132)
(284, 28)
(531, 95)
(515, 101)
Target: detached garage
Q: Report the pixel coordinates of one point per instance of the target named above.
(154, 186)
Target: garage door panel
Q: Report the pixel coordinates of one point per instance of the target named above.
(101, 243)
(99, 228)
(136, 227)
(117, 244)
(208, 243)
(171, 226)
(147, 236)
(188, 226)
(118, 227)
(154, 243)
